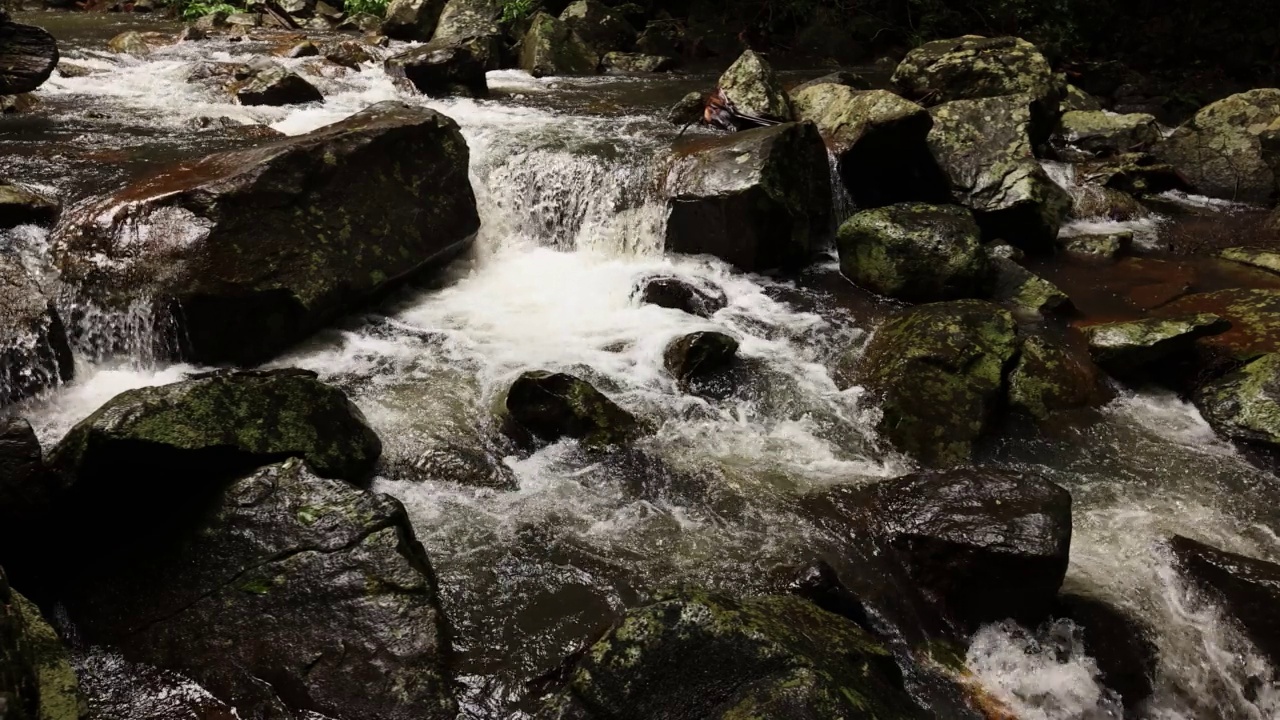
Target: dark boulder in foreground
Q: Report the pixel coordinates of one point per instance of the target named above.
(551, 406)
(711, 657)
(938, 371)
(28, 55)
(34, 352)
(287, 593)
(1248, 588)
(677, 294)
(252, 250)
(981, 545)
(37, 681)
(440, 69)
(758, 199)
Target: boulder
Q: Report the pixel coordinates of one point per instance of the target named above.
(1095, 202)
(28, 55)
(915, 252)
(1244, 404)
(602, 28)
(306, 48)
(1248, 588)
(757, 199)
(1120, 644)
(1104, 134)
(1109, 246)
(973, 67)
(37, 681)
(938, 371)
(677, 294)
(1023, 290)
(21, 205)
(1076, 99)
(348, 54)
(981, 545)
(288, 594)
(475, 24)
(700, 362)
(131, 42)
(984, 148)
(701, 655)
(272, 84)
(548, 406)
(1137, 174)
(551, 48)
(1221, 150)
(34, 352)
(844, 77)
(1261, 258)
(1050, 377)
(219, 423)
(1127, 348)
(440, 69)
(636, 63)
(752, 87)
(879, 140)
(687, 109)
(257, 248)
(411, 19)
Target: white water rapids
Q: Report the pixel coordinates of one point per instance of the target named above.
(565, 172)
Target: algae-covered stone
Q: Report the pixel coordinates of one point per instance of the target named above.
(287, 594)
(37, 681)
(696, 654)
(1108, 246)
(1126, 347)
(552, 406)
(21, 205)
(1245, 404)
(1050, 377)
(220, 421)
(1079, 100)
(938, 371)
(973, 67)
(440, 69)
(754, 89)
(699, 362)
(879, 140)
(412, 19)
(602, 28)
(1023, 289)
(550, 47)
(758, 199)
(252, 250)
(916, 252)
(984, 146)
(1261, 258)
(1221, 150)
(624, 62)
(1104, 133)
(131, 42)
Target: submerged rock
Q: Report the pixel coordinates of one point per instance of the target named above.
(973, 67)
(753, 88)
(757, 199)
(879, 140)
(712, 657)
(984, 147)
(21, 205)
(551, 406)
(272, 84)
(620, 62)
(411, 19)
(1244, 405)
(677, 294)
(1051, 377)
(37, 681)
(257, 248)
(1119, 642)
(700, 362)
(550, 47)
(440, 69)
(1128, 347)
(28, 55)
(129, 43)
(1248, 588)
(34, 352)
(1221, 151)
(938, 371)
(915, 252)
(1103, 133)
(288, 594)
(602, 28)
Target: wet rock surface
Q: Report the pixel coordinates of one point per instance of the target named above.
(441, 69)
(1052, 377)
(1126, 348)
(1222, 151)
(34, 350)
(272, 84)
(1245, 403)
(754, 89)
(550, 406)
(1247, 587)
(701, 361)
(678, 294)
(28, 55)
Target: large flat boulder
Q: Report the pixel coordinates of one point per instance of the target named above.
(1224, 150)
(1127, 348)
(252, 250)
(757, 199)
(28, 55)
(34, 352)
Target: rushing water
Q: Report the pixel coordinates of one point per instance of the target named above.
(566, 173)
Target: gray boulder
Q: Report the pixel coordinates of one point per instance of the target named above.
(754, 89)
(1104, 134)
(412, 19)
(550, 47)
(441, 69)
(1228, 149)
(28, 55)
(602, 28)
(273, 84)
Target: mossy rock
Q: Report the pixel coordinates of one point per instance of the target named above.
(552, 406)
(754, 89)
(1245, 404)
(1254, 315)
(1021, 289)
(916, 252)
(1051, 377)
(462, 19)
(1127, 348)
(1222, 150)
(37, 681)
(550, 47)
(1105, 134)
(638, 63)
(1109, 246)
(700, 362)
(1079, 100)
(1138, 174)
(938, 371)
(602, 28)
(1101, 202)
(696, 654)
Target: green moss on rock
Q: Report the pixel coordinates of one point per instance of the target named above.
(550, 406)
(1222, 150)
(1127, 347)
(37, 681)
(1050, 377)
(1245, 404)
(551, 47)
(1104, 133)
(754, 89)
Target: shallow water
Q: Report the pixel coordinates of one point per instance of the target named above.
(566, 173)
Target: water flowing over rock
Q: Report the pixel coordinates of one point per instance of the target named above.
(552, 406)
(1248, 588)
(1119, 641)
(34, 352)
(1051, 377)
(550, 47)
(602, 28)
(1223, 151)
(701, 655)
(255, 249)
(36, 678)
(28, 55)
(1127, 348)
(287, 593)
(1245, 404)
(879, 140)
(974, 67)
(677, 294)
(758, 199)
(700, 361)
(412, 19)
(938, 371)
(1103, 134)
(273, 84)
(915, 252)
(752, 86)
(440, 69)
(21, 205)
(984, 148)
(621, 62)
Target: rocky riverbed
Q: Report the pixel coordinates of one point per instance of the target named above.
(356, 378)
